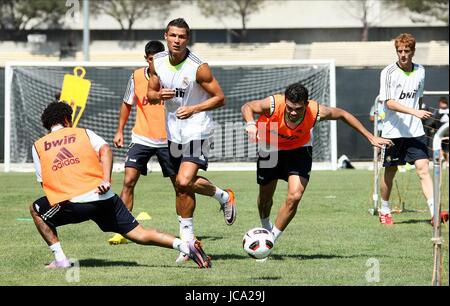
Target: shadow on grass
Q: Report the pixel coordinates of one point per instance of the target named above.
(282, 257)
(210, 238)
(101, 263)
(412, 221)
(312, 256)
(94, 262)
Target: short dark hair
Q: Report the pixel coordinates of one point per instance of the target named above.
(153, 47)
(56, 113)
(443, 99)
(179, 23)
(296, 93)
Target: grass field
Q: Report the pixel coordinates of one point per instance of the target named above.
(331, 241)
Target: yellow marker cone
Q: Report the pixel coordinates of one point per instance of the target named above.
(75, 91)
(143, 216)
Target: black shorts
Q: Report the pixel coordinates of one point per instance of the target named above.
(281, 164)
(111, 215)
(444, 145)
(138, 156)
(406, 150)
(195, 151)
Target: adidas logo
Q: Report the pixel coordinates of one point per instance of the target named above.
(64, 158)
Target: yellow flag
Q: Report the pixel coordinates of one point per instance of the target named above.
(75, 91)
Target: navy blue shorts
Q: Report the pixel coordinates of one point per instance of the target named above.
(138, 156)
(111, 215)
(195, 151)
(282, 164)
(406, 150)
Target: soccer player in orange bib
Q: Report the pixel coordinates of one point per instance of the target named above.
(74, 167)
(284, 128)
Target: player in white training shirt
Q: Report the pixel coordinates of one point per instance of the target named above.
(401, 88)
(189, 91)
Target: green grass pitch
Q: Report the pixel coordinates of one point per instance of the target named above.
(331, 241)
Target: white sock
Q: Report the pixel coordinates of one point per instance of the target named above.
(276, 233)
(187, 229)
(181, 246)
(265, 222)
(430, 203)
(221, 195)
(385, 209)
(58, 251)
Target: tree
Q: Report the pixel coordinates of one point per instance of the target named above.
(235, 8)
(426, 10)
(26, 15)
(368, 12)
(127, 12)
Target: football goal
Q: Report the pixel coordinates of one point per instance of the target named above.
(29, 87)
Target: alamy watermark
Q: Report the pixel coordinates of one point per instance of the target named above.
(373, 274)
(73, 11)
(73, 273)
(230, 141)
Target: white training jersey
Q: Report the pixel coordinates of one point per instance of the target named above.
(405, 88)
(97, 142)
(130, 98)
(182, 78)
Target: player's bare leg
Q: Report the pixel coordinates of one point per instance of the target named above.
(50, 236)
(386, 187)
(423, 172)
(130, 180)
(287, 211)
(185, 202)
(226, 198)
(265, 201)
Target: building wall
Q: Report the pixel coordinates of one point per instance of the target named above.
(299, 36)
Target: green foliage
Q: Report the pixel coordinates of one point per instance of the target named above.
(331, 241)
(25, 14)
(127, 12)
(425, 9)
(235, 8)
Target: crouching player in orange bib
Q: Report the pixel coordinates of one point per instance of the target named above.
(284, 128)
(74, 167)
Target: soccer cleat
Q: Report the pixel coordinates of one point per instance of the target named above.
(182, 258)
(62, 264)
(117, 239)
(229, 208)
(385, 219)
(444, 217)
(197, 254)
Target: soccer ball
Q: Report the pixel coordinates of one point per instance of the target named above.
(258, 242)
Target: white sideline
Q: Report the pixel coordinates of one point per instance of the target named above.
(243, 166)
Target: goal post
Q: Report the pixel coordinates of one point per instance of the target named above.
(437, 178)
(30, 86)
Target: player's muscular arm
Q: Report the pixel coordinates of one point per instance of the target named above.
(247, 111)
(125, 110)
(106, 160)
(207, 81)
(156, 94)
(255, 107)
(398, 107)
(335, 113)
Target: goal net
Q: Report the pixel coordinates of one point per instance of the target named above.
(29, 87)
